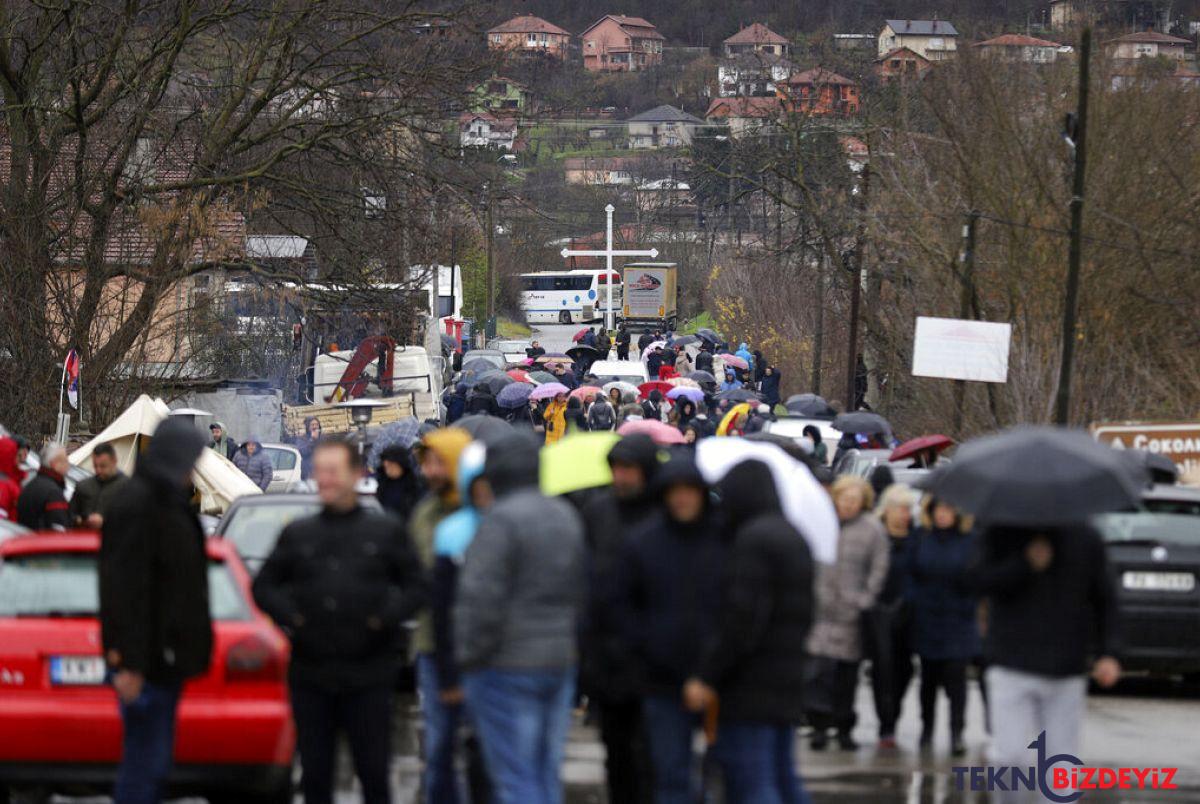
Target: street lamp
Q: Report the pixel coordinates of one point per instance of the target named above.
(361, 411)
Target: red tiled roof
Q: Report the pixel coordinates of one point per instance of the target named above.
(1017, 40)
(640, 28)
(756, 34)
(1151, 37)
(820, 76)
(744, 107)
(527, 23)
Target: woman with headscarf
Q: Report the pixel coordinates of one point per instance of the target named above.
(398, 483)
(685, 411)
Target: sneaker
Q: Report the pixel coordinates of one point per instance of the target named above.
(846, 742)
(887, 743)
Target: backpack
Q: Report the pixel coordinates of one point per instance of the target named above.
(601, 417)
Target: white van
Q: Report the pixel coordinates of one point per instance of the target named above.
(630, 371)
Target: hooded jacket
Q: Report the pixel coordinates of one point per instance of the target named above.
(226, 448)
(449, 444)
(43, 503)
(257, 467)
(10, 484)
(521, 590)
(745, 354)
(757, 662)
(400, 496)
(670, 580)
(153, 567)
(606, 663)
(451, 539)
(555, 417)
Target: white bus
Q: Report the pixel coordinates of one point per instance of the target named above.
(568, 297)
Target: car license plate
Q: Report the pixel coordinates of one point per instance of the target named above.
(1159, 581)
(77, 670)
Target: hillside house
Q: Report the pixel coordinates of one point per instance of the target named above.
(935, 40)
(485, 130)
(616, 43)
(599, 171)
(744, 116)
(1019, 48)
(1148, 45)
(529, 35)
(901, 64)
(501, 95)
(821, 92)
(662, 127)
(757, 39)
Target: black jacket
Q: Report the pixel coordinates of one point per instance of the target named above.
(704, 361)
(653, 364)
(669, 598)
(644, 340)
(605, 667)
(341, 584)
(757, 662)
(399, 497)
(1048, 623)
(480, 400)
(153, 566)
(94, 495)
(769, 387)
(42, 504)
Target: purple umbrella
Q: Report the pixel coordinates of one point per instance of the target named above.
(687, 392)
(549, 390)
(515, 395)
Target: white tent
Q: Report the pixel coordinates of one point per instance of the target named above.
(217, 479)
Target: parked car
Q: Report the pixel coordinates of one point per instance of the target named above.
(1154, 554)
(793, 427)
(513, 350)
(253, 523)
(60, 729)
(285, 466)
(493, 356)
(859, 461)
(630, 371)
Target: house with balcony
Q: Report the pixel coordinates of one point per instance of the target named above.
(616, 43)
(662, 127)
(531, 36)
(821, 92)
(1148, 45)
(755, 60)
(901, 64)
(757, 39)
(935, 40)
(485, 130)
(1019, 48)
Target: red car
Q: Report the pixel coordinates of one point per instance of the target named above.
(59, 724)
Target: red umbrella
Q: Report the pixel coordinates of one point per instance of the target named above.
(586, 392)
(578, 336)
(654, 385)
(920, 444)
(519, 375)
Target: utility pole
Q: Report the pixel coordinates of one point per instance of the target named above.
(819, 337)
(489, 324)
(856, 293)
(966, 259)
(1076, 136)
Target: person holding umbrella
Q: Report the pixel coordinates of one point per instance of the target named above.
(1043, 573)
(946, 634)
(845, 589)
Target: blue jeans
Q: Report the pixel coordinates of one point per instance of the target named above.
(758, 761)
(669, 731)
(441, 725)
(522, 717)
(148, 744)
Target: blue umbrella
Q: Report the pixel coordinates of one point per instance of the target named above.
(694, 394)
(514, 396)
(404, 432)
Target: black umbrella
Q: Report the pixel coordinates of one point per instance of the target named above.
(702, 377)
(809, 405)
(1159, 468)
(739, 395)
(710, 335)
(686, 340)
(494, 381)
(1037, 477)
(478, 365)
(583, 353)
(487, 429)
(862, 423)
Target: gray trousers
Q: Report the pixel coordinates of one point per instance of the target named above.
(1023, 705)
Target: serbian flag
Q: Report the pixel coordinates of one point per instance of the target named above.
(71, 377)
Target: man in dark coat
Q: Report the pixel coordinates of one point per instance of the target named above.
(223, 445)
(154, 617)
(623, 339)
(768, 386)
(455, 400)
(341, 584)
(756, 664)
(398, 482)
(704, 360)
(254, 463)
(535, 350)
(93, 495)
(43, 503)
(669, 603)
(606, 667)
(644, 340)
(654, 363)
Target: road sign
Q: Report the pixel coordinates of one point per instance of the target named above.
(1178, 441)
(957, 349)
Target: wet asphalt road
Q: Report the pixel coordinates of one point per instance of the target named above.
(1142, 723)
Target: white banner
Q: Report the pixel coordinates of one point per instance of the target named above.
(955, 349)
